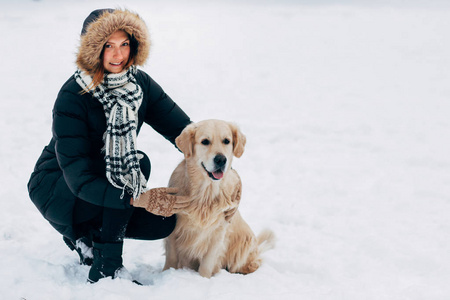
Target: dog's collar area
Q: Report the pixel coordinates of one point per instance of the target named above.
(211, 174)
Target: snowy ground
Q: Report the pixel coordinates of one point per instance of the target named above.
(346, 111)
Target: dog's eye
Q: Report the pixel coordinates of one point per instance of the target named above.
(205, 142)
(226, 141)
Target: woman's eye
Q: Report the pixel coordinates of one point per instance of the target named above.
(226, 141)
(108, 46)
(205, 142)
(126, 44)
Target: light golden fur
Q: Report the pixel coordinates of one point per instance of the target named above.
(203, 239)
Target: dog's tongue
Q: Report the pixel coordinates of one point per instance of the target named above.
(218, 174)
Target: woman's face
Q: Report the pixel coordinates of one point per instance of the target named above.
(117, 52)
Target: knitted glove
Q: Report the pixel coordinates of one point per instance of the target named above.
(162, 201)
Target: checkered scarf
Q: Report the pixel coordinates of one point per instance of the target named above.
(121, 98)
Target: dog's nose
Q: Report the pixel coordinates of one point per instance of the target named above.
(220, 160)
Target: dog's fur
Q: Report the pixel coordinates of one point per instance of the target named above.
(203, 239)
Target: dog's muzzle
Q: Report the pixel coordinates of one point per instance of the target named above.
(220, 162)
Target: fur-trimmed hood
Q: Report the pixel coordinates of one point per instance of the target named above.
(97, 32)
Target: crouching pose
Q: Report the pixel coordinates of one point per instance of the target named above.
(86, 179)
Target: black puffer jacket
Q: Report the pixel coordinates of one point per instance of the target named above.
(72, 165)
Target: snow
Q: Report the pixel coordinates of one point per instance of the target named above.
(345, 108)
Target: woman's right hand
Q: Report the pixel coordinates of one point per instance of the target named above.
(162, 201)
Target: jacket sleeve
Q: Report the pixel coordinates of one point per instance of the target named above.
(72, 146)
(163, 114)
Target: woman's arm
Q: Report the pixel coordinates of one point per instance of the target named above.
(163, 114)
(71, 132)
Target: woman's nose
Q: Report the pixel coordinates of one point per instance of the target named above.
(118, 53)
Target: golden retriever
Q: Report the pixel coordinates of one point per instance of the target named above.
(208, 237)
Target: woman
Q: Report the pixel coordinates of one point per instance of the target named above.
(90, 178)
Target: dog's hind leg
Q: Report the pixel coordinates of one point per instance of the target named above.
(265, 241)
(252, 264)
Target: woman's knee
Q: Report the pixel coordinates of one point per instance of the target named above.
(146, 226)
(144, 163)
(170, 223)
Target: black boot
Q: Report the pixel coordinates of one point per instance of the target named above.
(83, 246)
(108, 262)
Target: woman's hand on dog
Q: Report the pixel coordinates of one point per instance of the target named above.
(162, 201)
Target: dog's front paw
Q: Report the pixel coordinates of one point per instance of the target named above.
(205, 272)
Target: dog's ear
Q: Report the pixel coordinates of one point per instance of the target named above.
(239, 140)
(185, 141)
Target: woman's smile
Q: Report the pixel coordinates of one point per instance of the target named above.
(116, 52)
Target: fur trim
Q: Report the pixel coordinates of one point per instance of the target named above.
(99, 31)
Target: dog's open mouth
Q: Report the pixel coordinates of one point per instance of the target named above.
(216, 175)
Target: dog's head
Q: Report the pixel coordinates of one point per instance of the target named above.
(212, 145)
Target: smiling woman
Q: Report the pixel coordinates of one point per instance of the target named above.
(87, 178)
(104, 39)
(116, 55)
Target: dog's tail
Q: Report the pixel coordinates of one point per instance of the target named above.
(266, 240)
